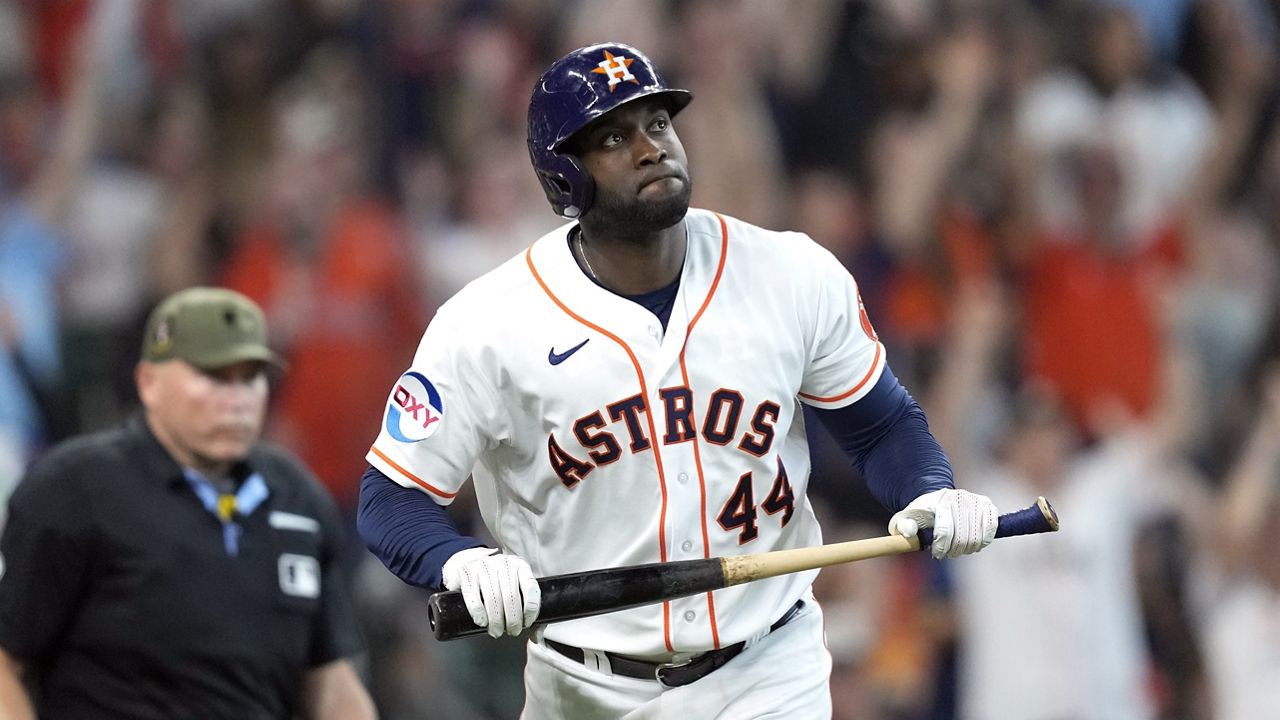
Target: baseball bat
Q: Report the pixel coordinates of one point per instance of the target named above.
(595, 592)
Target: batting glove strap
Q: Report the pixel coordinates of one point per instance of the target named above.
(499, 590)
(962, 522)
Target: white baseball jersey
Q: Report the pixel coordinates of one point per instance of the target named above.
(596, 439)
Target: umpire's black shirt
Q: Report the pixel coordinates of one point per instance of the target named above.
(119, 592)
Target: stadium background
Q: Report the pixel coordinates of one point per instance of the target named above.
(1064, 216)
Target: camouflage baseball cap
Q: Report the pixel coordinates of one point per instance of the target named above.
(209, 328)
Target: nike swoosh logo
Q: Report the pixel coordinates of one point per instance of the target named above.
(556, 358)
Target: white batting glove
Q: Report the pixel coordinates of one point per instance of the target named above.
(962, 522)
(500, 590)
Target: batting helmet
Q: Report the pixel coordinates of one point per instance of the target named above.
(575, 90)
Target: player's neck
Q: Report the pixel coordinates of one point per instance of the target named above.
(631, 265)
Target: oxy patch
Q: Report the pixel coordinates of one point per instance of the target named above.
(414, 410)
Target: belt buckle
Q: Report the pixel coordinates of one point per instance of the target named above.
(658, 672)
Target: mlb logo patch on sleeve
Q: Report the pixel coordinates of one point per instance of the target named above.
(299, 575)
(414, 410)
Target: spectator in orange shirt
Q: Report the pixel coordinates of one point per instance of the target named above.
(328, 262)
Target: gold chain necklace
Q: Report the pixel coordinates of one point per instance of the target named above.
(582, 251)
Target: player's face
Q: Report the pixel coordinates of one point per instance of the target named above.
(208, 419)
(639, 167)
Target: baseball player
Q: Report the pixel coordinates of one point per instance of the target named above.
(628, 390)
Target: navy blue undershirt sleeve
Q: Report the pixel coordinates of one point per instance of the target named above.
(409, 532)
(886, 437)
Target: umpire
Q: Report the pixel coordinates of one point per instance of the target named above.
(176, 567)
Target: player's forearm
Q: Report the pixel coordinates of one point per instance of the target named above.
(411, 534)
(14, 702)
(907, 462)
(886, 437)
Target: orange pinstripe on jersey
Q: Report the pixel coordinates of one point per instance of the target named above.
(697, 453)
(875, 363)
(423, 483)
(644, 392)
(653, 432)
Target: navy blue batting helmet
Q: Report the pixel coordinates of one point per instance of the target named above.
(575, 90)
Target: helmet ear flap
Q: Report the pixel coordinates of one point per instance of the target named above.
(568, 185)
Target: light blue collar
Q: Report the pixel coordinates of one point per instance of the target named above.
(227, 507)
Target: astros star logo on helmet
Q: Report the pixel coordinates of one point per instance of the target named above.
(615, 68)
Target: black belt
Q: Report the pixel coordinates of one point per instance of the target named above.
(671, 674)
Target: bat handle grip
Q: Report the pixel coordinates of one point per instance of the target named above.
(1038, 518)
(449, 617)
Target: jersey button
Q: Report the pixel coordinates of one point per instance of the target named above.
(690, 616)
(683, 477)
(653, 330)
(686, 546)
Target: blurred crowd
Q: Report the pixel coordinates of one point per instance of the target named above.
(1063, 215)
